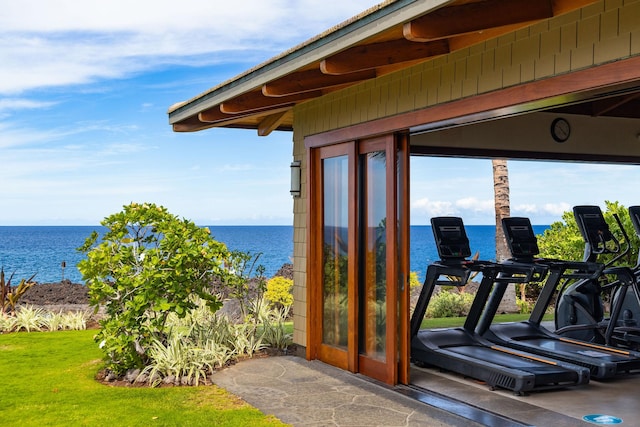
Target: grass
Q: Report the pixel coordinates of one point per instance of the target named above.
(48, 380)
(449, 322)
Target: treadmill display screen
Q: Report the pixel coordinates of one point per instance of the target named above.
(520, 237)
(451, 238)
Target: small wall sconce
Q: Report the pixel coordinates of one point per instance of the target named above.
(295, 178)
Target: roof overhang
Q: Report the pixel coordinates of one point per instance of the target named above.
(391, 36)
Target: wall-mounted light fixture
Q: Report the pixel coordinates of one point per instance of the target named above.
(295, 178)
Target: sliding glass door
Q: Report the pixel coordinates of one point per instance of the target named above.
(357, 270)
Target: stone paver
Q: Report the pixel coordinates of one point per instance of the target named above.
(311, 393)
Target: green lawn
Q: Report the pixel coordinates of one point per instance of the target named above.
(448, 322)
(48, 380)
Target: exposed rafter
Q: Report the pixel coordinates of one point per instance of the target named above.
(478, 16)
(256, 101)
(214, 115)
(371, 56)
(191, 124)
(311, 80)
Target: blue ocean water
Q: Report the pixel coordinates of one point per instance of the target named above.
(26, 250)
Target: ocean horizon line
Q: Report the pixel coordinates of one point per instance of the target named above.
(233, 225)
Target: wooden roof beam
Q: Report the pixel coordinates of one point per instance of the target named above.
(472, 17)
(191, 124)
(312, 80)
(371, 56)
(271, 123)
(215, 116)
(256, 101)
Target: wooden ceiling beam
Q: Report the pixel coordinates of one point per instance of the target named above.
(312, 80)
(213, 116)
(191, 124)
(271, 123)
(471, 17)
(370, 56)
(604, 106)
(256, 101)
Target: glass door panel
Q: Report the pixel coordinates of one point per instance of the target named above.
(373, 282)
(335, 252)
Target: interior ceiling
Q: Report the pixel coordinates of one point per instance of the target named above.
(624, 106)
(457, 25)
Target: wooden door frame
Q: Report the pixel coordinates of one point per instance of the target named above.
(396, 366)
(314, 259)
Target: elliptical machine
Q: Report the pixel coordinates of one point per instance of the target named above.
(628, 324)
(580, 312)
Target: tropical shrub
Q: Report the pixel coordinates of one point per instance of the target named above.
(147, 265)
(10, 295)
(271, 321)
(29, 319)
(524, 306)
(202, 341)
(278, 291)
(562, 240)
(447, 303)
(414, 281)
(54, 321)
(7, 323)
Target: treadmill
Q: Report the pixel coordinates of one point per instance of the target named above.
(461, 349)
(602, 361)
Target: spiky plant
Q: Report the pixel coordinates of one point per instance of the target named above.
(29, 319)
(10, 295)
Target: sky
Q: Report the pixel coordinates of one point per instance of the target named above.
(84, 91)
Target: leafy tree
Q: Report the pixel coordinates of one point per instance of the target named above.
(563, 240)
(148, 264)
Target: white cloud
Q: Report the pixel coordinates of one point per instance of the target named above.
(475, 205)
(13, 104)
(63, 42)
(526, 208)
(433, 208)
(557, 208)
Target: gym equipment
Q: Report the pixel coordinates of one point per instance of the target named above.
(579, 309)
(628, 323)
(529, 335)
(462, 350)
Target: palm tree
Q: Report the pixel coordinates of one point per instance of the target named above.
(502, 209)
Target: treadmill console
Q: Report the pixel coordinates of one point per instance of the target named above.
(594, 229)
(451, 238)
(521, 239)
